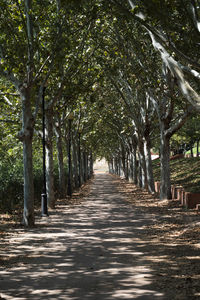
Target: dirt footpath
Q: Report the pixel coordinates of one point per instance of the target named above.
(98, 249)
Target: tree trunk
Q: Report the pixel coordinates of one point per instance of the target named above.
(119, 169)
(123, 160)
(26, 136)
(142, 164)
(198, 148)
(49, 158)
(127, 167)
(130, 167)
(149, 168)
(110, 165)
(140, 179)
(79, 161)
(91, 165)
(75, 174)
(191, 151)
(88, 167)
(165, 188)
(84, 166)
(28, 217)
(135, 166)
(115, 166)
(61, 172)
(131, 170)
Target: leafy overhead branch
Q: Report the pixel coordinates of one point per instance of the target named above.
(159, 41)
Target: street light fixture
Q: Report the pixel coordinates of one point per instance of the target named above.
(44, 207)
(69, 184)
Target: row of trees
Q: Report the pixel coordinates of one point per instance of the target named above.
(129, 71)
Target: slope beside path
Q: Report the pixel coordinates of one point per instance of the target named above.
(94, 250)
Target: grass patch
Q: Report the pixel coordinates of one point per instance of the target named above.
(184, 171)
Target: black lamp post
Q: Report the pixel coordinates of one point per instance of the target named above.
(69, 184)
(44, 207)
(79, 156)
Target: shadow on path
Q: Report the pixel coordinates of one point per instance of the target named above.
(95, 250)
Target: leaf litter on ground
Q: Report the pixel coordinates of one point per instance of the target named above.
(173, 239)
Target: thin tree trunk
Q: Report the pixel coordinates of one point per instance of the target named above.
(131, 167)
(49, 158)
(28, 216)
(61, 171)
(84, 166)
(79, 161)
(119, 169)
(75, 164)
(91, 165)
(127, 167)
(88, 167)
(26, 136)
(124, 165)
(116, 166)
(110, 166)
(142, 164)
(198, 148)
(191, 151)
(165, 188)
(149, 168)
(123, 160)
(135, 166)
(140, 178)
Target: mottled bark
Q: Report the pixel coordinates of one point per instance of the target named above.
(165, 188)
(135, 166)
(110, 166)
(26, 136)
(49, 158)
(116, 166)
(61, 171)
(140, 178)
(131, 167)
(124, 162)
(127, 167)
(142, 164)
(149, 168)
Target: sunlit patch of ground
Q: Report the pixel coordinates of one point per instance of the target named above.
(175, 238)
(111, 240)
(100, 166)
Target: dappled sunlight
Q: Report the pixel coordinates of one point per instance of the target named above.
(97, 249)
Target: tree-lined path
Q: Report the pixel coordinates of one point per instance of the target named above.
(94, 250)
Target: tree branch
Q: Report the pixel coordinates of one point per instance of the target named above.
(180, 122)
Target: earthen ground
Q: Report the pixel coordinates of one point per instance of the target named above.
(113, 244)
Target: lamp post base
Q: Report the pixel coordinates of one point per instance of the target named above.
(44, 207)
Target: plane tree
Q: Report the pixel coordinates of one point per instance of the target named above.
(167, 81)
(32, 36)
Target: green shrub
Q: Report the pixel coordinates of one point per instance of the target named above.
(11, 184)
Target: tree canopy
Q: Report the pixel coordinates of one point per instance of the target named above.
(128, 70)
